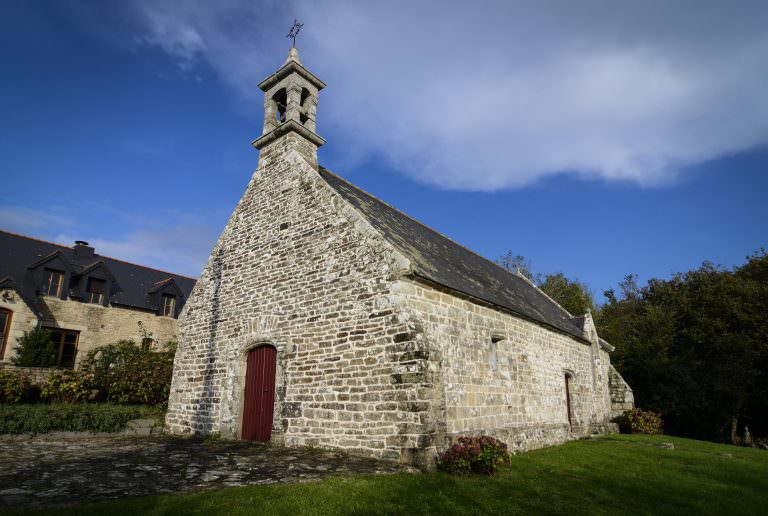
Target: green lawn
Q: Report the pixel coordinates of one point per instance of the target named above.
(617, 475)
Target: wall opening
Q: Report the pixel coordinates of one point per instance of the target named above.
(259, 394)
(494, 353)
(280, 98)
(568, 401)
(303, 117)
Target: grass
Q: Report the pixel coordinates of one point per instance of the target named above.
(41, 418)
(614, 475)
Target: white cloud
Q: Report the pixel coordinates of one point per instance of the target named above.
(181, 245)
(496, 95)
(182, 249)
(25, 220)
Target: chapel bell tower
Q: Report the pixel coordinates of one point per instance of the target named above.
(290, 108)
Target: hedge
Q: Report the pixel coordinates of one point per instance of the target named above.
(71, 417)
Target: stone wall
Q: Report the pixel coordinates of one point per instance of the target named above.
(299, 269)
(36, 375)
(622, 397)
(98, 325)
(520, 395)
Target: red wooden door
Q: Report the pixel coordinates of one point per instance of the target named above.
(259, 401)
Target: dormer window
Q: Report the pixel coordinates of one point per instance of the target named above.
(95, 291)
(169, 305)
(53, 282)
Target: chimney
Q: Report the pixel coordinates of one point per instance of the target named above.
(82, 249)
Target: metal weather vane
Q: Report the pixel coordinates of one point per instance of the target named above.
(295, 31)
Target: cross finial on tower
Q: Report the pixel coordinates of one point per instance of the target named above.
(295, 31)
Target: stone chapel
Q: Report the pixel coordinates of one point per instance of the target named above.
(326, 317)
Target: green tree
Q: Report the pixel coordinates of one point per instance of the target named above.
(35, 349)
(572, 295)
(693, 347)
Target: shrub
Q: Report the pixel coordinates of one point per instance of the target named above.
(13, 386)
(481, 454)
(35, 349)
(71, 417)
(636, 421)
(125, 373)
(68, 386)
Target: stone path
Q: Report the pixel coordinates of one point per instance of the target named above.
(64, 469)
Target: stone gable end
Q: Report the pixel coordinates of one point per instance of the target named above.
(299, 269)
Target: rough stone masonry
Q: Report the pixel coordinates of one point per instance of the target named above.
(391, 339)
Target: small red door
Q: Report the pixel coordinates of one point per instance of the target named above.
(259, 401)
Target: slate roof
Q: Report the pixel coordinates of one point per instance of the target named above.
(133, 283)
(440, 260)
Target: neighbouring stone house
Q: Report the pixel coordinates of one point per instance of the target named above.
(326, 317)
(84, 299)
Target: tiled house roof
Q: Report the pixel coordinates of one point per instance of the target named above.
(131, 285)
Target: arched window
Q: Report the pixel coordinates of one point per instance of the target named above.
(304, 96)
(280, 98)
(5, 329)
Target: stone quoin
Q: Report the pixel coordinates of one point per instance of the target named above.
(391, 340)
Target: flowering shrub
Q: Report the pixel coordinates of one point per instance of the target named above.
(126, 373)
(68, 386)
(481, 454)
(12, 386)
(636, 421)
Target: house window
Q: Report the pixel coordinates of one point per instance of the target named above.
(65, 342)
(147, 344)
(5, 329)
(95, 291)
(53, 281)
(169, 305)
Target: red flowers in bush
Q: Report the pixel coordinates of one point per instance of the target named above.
(481, 454)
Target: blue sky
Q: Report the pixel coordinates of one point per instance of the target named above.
(594, 141)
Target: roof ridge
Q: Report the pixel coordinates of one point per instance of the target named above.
(33, 238)
(421, 223)
(95, 254)
(561, 307)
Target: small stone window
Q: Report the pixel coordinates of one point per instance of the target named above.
(169, 305)
(494, 353)
(568, 401)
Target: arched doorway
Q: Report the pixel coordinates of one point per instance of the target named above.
(259, 397)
